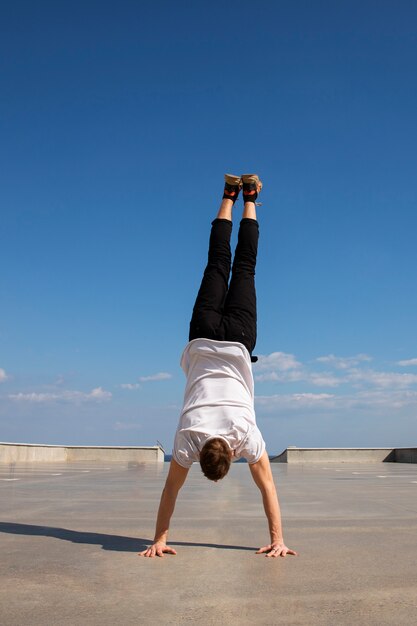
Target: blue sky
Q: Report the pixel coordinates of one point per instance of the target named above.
(117, 123)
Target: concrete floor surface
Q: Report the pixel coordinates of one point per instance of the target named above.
(69, 536)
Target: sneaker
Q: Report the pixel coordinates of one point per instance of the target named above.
(252, 186)
(232, 186)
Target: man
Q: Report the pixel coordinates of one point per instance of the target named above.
(217, 423)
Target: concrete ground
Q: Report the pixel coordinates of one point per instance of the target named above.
(70, 534)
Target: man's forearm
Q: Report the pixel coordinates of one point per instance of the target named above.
(262, 475)
(272, 512)
(175, 479)
(165, 511)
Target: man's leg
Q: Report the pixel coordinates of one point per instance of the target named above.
(240, 317)
(207, 315)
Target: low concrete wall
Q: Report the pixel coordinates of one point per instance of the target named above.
(406, 455)
(335, 455)
(32, 453)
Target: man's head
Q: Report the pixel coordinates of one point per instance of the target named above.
(215, 458)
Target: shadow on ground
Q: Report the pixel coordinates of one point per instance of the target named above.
(107, 542)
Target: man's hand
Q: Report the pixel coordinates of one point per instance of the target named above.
(157, 549)
(276, 549)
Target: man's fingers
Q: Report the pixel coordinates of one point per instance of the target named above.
(274, 551)
(145, 552)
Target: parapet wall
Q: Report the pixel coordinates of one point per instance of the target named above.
(346, 455)
(32, 453)
(406, 455)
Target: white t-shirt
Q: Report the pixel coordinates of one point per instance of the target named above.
(218, 401)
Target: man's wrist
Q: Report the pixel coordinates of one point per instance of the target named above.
(277, 539)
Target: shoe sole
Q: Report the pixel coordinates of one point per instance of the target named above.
(231, 179)
(252, 178)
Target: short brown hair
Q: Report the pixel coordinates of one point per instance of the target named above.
(215, 458)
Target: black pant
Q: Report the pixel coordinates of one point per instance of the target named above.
(228, 312)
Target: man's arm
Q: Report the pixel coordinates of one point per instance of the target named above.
(175, 480)
(262, 475)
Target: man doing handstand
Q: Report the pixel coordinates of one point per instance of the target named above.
(217, 423)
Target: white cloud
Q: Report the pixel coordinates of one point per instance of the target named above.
(33, 397)
(159, 376)
(377, 401)
(282, 367)
(279, 367)
(126, 426)
(282, 377)
(382, 379)
(95, 395)
(268, 376)
(3, 375)
(343, 363)
(293, 401)
(377, 393)
(407, 362)
(146, 379)
(99, 394)
(324, 379)
(280, 361)
(385, 399)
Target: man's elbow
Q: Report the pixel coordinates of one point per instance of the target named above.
(267, 487)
